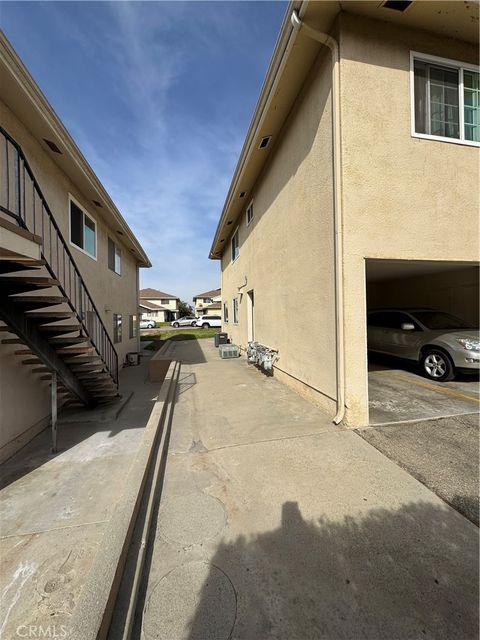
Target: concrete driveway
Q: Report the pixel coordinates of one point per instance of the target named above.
(398, 393)
(275, 524)
(442, 454)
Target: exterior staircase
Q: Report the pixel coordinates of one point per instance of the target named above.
(45, 305)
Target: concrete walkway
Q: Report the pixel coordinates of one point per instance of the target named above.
(275, 524)
(55, 508)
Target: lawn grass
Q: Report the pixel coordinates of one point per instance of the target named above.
(159, 337)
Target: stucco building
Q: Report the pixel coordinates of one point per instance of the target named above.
(69, 266)
(157, 305)
(207, 302)
(356, 188)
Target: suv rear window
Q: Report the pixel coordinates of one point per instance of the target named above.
(390, 319)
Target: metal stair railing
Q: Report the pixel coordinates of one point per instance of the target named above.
(22, 199)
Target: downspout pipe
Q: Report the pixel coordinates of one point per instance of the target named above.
(332, 44)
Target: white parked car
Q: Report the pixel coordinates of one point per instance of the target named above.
(147, 324)
(205, 322)
(186, 321)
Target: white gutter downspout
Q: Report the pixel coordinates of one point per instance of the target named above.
(332, 44)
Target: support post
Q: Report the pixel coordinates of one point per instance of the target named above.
(54, 412)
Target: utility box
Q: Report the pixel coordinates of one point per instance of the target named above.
(133, 359)
(221, 338)
(229, 351)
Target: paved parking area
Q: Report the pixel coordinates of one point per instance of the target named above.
(398, 393)
(443, 454)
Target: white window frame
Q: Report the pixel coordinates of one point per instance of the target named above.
(249, 208)
(116, 251)
(235, 310)
(453, 64)
(92, 218)
(235, 233)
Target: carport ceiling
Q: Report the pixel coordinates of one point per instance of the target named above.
(378, 270)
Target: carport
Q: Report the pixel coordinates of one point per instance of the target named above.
(396, 387)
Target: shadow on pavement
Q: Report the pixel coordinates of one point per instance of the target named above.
(190, 351)
(410, 573)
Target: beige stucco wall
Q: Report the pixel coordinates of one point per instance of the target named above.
(111, 293)
(404, 197)
(286, 253)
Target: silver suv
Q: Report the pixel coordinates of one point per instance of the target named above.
(440, 342)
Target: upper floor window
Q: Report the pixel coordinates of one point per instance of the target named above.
(207, 301)
(446, 103)
(235, 246)
(114, 257)
(249, 213)
(225, 311)
(165, 302)
(83, 230)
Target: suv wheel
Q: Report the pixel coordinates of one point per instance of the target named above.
(436, 365)
(150, 326)
(205, 325)
(176, 325)
(194, 324)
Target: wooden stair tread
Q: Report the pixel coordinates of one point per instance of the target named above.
(50, 314)
(74, 350)
(40, 301)
(96, 360)
(40, 370)
(67, 340)
(23, 352)
(31, 361)
(15, 264)
(59, 328)
(12, 341)
(42, 280)
(95, 376)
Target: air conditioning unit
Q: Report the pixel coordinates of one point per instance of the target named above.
(229, 351)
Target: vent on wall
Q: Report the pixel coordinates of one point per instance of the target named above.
(264, 142)
(242, 194)
(52, 146)
(97, 203)
(397, 5)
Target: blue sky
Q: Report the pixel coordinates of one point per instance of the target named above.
(158, 96)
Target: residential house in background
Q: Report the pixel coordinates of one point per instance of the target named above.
(69, 266)
(157, 305)
(356, 188)
(208, 302)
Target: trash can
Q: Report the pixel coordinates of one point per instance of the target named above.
(133, 359)
(221, 338)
